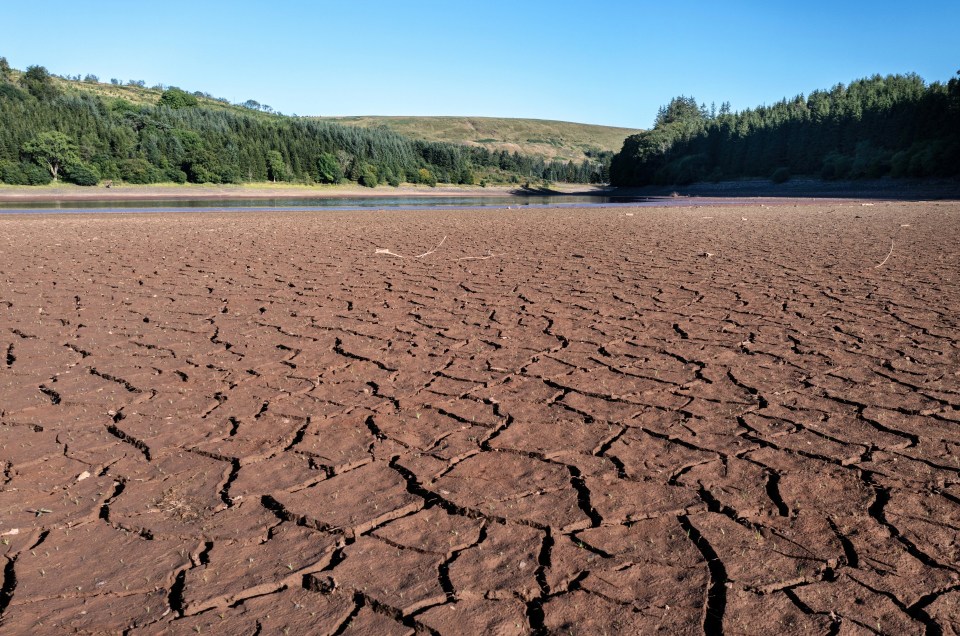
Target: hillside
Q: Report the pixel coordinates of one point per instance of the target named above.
(133, 93)
(85, 131)
(550, 139)
(895, 126)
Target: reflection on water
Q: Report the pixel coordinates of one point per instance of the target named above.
(346, 203)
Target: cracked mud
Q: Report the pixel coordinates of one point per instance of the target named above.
(685, 420)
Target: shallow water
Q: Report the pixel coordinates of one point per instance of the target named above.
(345, 203)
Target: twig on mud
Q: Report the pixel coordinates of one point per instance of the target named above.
(433, 250)
(489, 254)
(383, 250)
(478, 258)
(887, 258)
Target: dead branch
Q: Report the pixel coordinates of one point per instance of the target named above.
(887, 258)
(433, 250)
(386, 252)
(478, 258)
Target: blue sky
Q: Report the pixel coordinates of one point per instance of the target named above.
(610, 63)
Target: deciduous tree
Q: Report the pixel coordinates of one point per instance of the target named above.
(53, 150)
(276, 167)
(328, 169)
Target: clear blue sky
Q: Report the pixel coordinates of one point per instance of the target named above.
(610, 63)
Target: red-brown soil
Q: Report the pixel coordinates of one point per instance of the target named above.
(685, 420)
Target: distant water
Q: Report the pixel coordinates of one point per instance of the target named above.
(340, 203)
(316, 204)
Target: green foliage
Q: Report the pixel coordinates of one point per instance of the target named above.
(780, 175)
(925, 158)
(468, 178)
(122, 106)
(869, 162)
(133, 140)
(37, 82)
(4, 70)
(11, 92)
(276, 168)
(893, 125)
(368, 176)
(836, 166)
(328, 168)
(176, 175)
(684, 170)
(52, 150)
(24, 173)
(140, 171)
(175, 98)
(679, 110)
(81, 174)
(426, 177)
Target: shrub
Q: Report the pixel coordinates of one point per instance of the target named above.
(368, 177)
(836, 166)
(81, 174)
(11, 92)
(426, 177)
(230, 173)
(467, 177)
(24, 173)
(38, 82)
(328, 169)
(684, 171)
(176, 99)
(870, 162)
(139, 171)
(276, 168)
(176, 175)
(900, 164)
(780, 175)
(925, 159)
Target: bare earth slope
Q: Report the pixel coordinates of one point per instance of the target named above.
(679, 420)
(550, 139)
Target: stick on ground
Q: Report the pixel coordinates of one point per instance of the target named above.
(887, 258)
(433, 250)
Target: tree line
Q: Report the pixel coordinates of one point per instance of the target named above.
(78, 136)
(896, 126)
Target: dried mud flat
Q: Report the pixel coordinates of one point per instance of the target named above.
(686, 420)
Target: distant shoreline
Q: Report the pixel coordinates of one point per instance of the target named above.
(176, 192)
(889, 189)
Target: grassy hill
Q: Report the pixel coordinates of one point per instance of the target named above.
(550, 139)
(92, 131)
(138, 95)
